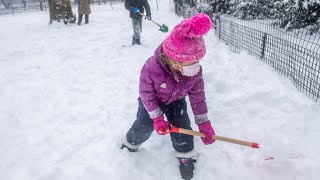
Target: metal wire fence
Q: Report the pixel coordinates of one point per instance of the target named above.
(295, 54)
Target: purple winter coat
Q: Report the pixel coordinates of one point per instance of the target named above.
(158, 85)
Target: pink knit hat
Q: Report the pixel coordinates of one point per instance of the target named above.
(185, 43)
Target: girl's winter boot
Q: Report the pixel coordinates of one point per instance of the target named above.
(129, 149)
(186, 167)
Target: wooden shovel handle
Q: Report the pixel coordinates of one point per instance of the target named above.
(219, 138)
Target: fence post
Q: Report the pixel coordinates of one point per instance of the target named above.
(263, 45)
(219, 25)
(318, 95)
(157, 5)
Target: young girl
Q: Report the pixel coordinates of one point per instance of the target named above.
(172, 73)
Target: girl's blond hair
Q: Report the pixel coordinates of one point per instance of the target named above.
(170, 63)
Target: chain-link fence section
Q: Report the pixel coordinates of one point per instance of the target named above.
(295, 54)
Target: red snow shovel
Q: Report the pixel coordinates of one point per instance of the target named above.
(215, 137)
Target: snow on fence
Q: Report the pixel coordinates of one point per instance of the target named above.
(293, 54)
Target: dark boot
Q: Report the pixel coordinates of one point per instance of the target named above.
(129, 149)
(133, 41)
(86, 19)
(138, 41)
(186, 167)
(80, 19)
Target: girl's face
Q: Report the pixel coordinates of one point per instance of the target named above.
(179, 65)
(186, 68)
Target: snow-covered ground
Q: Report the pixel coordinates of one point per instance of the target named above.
(68, 94)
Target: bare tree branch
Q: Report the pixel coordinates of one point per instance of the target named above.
(5, 5)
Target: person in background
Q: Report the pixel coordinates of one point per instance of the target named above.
(83, 9)
(135, 7)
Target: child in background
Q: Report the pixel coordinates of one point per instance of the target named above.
(172, 73)
(135, 7)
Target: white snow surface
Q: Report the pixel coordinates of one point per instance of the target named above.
(68, 94)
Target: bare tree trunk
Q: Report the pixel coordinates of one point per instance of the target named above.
(5, 5)
(41, 5)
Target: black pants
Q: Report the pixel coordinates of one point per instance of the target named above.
(176, 114)
(86, 18)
